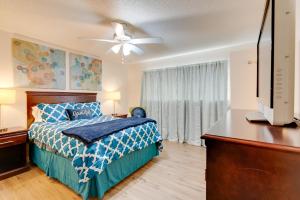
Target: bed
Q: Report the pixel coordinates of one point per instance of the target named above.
(103, 163)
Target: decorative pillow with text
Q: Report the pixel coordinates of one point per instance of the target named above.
(75, 114)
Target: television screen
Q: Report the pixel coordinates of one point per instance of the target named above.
(264, 90)
(276, 62)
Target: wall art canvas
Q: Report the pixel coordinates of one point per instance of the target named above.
(38, 66)
(85, 73)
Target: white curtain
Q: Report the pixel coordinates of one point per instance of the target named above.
(186, 100)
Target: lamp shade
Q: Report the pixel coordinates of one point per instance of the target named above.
(113, 96)
(7, 96)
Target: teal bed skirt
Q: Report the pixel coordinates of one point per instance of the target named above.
(61, 168)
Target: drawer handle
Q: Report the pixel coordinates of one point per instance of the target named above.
(8, 142)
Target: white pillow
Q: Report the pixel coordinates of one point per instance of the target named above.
(37, 114)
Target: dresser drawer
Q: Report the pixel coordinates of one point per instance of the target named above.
(12, 140)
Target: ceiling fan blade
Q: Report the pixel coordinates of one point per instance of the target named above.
(146, 41)
(99, 40)
(116, 48)
(135, 49)
(119, 29)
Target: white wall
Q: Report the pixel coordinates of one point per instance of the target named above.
(114, 78)
(297, 70)
(134, 85)
(243, 79)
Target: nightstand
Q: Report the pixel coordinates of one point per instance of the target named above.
(120, 115)
(13, 152)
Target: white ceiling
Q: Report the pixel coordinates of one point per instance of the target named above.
(184, 25)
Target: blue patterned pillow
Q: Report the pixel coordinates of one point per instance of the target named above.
(55, 112)
(95, 107)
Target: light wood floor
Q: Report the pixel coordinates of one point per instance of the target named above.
(178, 173)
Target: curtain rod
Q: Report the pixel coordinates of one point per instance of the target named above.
(186, 65)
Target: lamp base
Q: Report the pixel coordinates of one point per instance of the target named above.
(3, 130)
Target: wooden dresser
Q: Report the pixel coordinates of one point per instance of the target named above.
(247, 161)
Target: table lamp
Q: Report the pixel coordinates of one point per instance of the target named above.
(7, 96)
(114, 96)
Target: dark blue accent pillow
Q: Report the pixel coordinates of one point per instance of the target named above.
(75, 114)
(138, 112)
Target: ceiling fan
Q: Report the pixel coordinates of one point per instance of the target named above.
(126, 42)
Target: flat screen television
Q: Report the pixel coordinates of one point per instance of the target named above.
(276, 62)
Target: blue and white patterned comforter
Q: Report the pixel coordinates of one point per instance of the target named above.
(92, 159)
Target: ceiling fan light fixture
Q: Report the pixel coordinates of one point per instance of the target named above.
(119, 29)
(116, 48)
(126, 49)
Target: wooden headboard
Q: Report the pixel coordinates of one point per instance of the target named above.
(34, 98)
